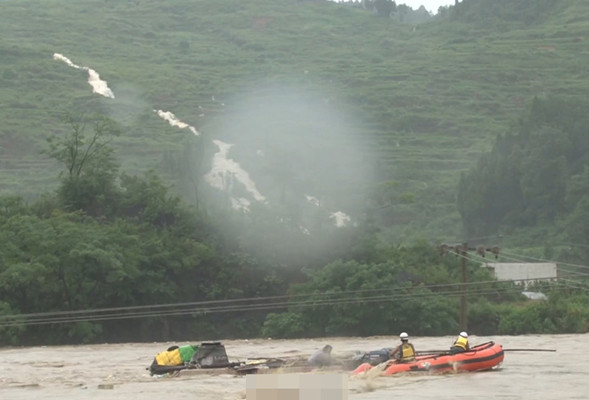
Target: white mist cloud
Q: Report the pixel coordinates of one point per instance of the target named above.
(301, 146)
(98, 85)
(305, 154)
(172, 120)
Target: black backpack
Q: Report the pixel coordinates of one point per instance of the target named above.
(211, 355)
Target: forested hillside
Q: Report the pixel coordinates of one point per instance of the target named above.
(535, 175)
(287, 168)
(421, 102)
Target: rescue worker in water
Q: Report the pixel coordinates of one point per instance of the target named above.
(405, 351)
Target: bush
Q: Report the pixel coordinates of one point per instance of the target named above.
(284, 325)
(483, 318)
(9, 335)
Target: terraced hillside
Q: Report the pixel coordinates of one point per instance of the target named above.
(418, 103)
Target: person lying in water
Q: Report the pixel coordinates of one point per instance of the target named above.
(321, 358)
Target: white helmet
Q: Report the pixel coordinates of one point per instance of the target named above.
(404, 336)
(464, 334)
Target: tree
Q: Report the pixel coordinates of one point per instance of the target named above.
(90, 167)
(402, 12)
(384, 8)
(543, 183)
(533, 175)
(146, 199)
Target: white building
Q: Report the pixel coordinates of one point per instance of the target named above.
(522, 273)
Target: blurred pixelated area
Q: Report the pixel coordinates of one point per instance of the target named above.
(297, 387)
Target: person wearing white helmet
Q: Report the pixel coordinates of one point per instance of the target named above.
(460, 344)
(405, 351)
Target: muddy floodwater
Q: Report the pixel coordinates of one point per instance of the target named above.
(118, 371)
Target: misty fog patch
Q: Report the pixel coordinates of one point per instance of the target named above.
(301, 151)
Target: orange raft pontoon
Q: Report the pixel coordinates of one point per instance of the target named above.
(479, 358)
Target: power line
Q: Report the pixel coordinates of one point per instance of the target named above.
(62, 317)
(251, 304)
(14, 321)
(545, 260)
(247, 299)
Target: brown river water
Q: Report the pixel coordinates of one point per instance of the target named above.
(118, 371)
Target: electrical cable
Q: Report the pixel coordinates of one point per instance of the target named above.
(63, 318)
(381, 295)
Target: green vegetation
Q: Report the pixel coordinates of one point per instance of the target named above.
(536, 175)
(416, 290)
(474, 122)
(113, 257)
(429, 99)
(106, 240)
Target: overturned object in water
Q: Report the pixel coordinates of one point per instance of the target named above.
(374, 357)
(177, 358)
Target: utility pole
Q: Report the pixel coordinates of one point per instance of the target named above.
(461, 251)
(463, 319)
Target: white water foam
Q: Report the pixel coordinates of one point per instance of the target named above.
(240, 204)
(340, 218)
(225, 173)
(313, 200)
(98, 85)
(172, 120)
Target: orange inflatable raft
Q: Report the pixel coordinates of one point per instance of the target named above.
(479, 358)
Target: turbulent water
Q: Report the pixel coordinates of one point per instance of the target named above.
(119, 371)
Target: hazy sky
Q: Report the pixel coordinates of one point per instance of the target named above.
(430, 5)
